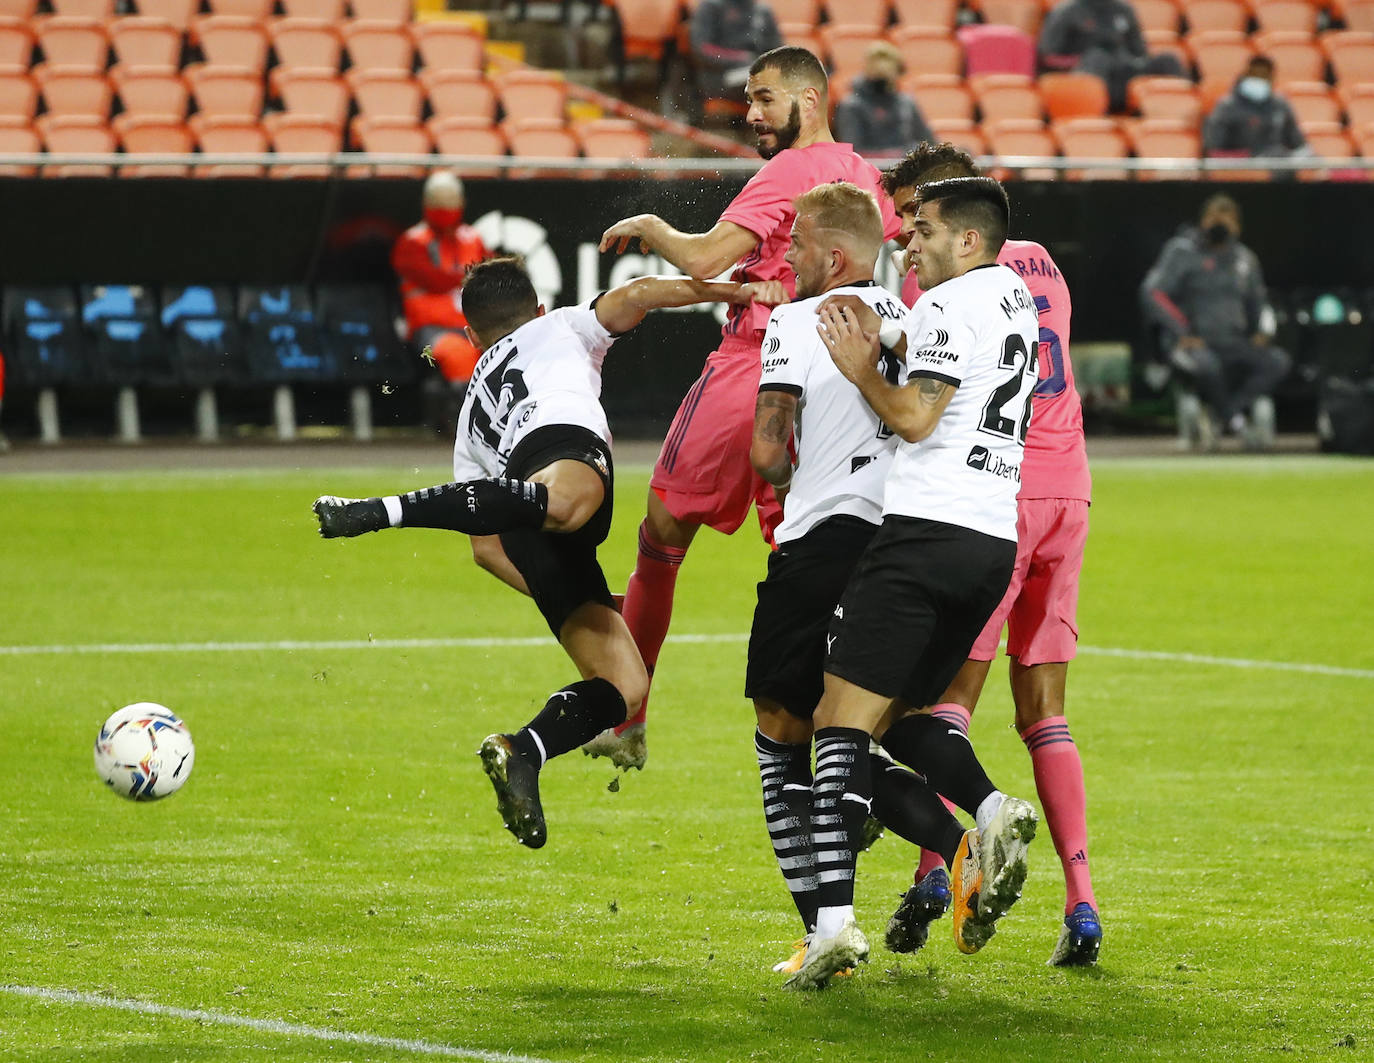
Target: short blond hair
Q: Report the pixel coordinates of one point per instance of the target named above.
(845, 208)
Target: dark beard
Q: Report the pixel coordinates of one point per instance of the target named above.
(787, 135)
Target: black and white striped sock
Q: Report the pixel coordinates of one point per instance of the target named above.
(785, 770)
(841, 801)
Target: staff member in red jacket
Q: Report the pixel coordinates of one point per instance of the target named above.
(431, 259)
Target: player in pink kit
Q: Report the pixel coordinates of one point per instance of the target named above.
(1040, 605)
(703, 474)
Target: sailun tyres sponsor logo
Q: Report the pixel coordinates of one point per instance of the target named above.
(934, 347)
(984, 460)
(771, 346)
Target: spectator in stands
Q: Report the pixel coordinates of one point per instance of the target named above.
(1252, 120)
(728, 35)
(431, 259)
(1206, 295)
(876, 117)
(1101, 37)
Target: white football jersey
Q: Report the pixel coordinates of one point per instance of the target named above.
(843, 450)
(979, 332)
(548, 371)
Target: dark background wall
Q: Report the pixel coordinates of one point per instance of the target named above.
(1103, 234)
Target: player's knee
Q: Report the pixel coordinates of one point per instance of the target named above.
(664, 528)
(632, 680)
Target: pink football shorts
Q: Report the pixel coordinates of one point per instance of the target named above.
(703, 474)
(1040, 608)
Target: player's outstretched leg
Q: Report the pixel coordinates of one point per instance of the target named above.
(476, 507)
(343, 518)
(513, 762)
(1006, 827)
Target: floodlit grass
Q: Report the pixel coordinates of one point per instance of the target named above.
(336, 860)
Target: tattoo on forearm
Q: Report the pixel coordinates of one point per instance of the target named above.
(929, 390)
(775, 426)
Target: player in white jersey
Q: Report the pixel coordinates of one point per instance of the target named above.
(942, 558)
(832, 505)
(533, 485)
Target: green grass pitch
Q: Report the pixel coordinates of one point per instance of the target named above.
(335, 865)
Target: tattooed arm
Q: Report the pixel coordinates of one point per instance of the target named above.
(912, 410)
(775, 413)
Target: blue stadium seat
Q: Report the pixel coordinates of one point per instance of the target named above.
(357, 326)
(126, 342)
(43, 337)
(203, 332)
(280, 336)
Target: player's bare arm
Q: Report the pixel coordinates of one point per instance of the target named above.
(911, 410)
(622, 308)
(775, 414)
(699, 255)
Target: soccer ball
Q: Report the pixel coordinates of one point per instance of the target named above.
(144, 752)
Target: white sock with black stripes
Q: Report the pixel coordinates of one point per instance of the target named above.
(785, 770)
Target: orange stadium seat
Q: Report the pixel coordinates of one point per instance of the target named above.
(459, 93)
(647, 27)
(1358, 101)
(226, 135)
(1220, 55)
(1164, 138)
(871, 15)
(803, 12)
(1165, 97)
(231, 40)
(146, 42)
(18, 96)
(293, 134)
(449, 45)
(394, 136)
(178, 12)
(21, 9)
(1313, 101)
(382, 10)
(845, 47)
(151, 93)
(1071, 95)
(1156, 15)
(257, 10)
(1167, 42)
(153, 135)
(17, 138)
(532, 94)
(314, 94)
(386, 93)
(1328, 140)
(1203, 15)
(306, 43)
(996, 50)
(1351, 53)
(940, 96)
(1364, 139)
(374, 45)
(939, 13)
(74, 42)
(16, 43)
(1358, 14)
(961, 133)
(330, 10)
(1092, 138)
(97, 9)
(225, 92)
(74, 134)
(1024, 15)
(801, 36)
(540, 138)
(74, 92)
(927, 50)
(1006, 96)
(1280, 15)
(468, 136)
(1020, 136)
(1296, 55)
(613, 138)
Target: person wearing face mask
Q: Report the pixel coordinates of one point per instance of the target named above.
(431, 260)
(1206, 296)
(1252, 120)
(878, 119)
(1101, 37)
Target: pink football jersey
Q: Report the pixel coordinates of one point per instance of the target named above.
(1056, 461)
(764, 207)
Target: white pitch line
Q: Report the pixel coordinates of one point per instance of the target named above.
(288, 1029)
(493, 642)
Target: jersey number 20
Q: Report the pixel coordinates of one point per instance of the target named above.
(995, 418)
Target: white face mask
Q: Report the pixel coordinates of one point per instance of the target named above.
(1254, 89)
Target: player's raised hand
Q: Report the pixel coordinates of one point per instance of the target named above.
(622, 232)
(853, 349)
(765, 293)
(864, 314)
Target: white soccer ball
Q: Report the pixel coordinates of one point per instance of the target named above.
(144, 751)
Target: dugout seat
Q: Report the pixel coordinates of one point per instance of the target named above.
(202, 334)
(280, 336)
(120, 322)
(43, 343)
(357, 328)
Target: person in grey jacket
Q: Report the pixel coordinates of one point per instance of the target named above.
(1101, 37)
(1252, 120)
(877, 117)
(728, 35)
(1206, 295)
